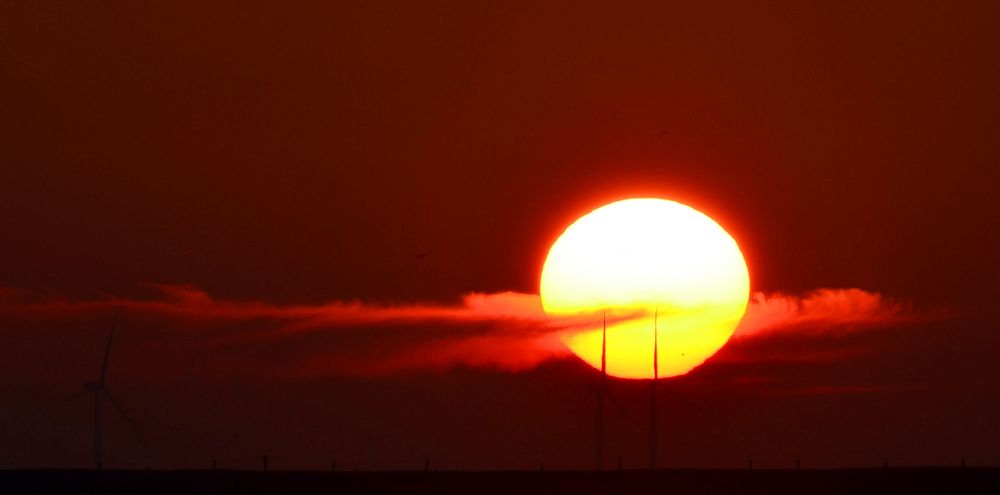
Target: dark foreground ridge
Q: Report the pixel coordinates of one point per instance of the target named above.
(812, 482)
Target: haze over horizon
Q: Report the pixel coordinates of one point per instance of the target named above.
(324, 226)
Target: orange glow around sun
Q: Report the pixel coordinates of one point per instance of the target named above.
(638, 256)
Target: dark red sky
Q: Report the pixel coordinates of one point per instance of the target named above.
(309, 153)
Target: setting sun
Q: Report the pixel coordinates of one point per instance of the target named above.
(640, 256)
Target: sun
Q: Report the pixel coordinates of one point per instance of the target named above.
(644, 256)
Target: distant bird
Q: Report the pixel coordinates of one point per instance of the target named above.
(663, 133)
(421, 256)
(100, 388)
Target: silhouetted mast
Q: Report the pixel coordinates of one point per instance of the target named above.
(652, 392)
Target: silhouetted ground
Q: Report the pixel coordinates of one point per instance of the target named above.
(812, 482)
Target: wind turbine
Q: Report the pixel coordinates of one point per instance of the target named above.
(652, 392)
(603, 394)
(100, 388)
(654, 387)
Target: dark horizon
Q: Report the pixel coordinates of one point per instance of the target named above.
(324, 227)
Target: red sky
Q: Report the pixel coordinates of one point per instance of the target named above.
(404, 155)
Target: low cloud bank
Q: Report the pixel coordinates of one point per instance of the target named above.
(506, 331)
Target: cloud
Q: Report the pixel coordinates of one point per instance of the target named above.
(824, 342)
(505, 331)
(825, 311)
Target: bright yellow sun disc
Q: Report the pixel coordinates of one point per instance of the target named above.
(648, 255)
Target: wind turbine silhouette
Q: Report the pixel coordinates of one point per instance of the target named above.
(604, 394)
(655, 386)
(100, 388)
(652, 391)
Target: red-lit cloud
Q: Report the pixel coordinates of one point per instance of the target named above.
(507, 331)
(825, 311)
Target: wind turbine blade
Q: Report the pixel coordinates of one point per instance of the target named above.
(107, 350)
(111, 399)
(44, 413)
(74, 397)
(621, 409)
(687, 401)
(656, 346)
(636, 398)
(604, 349)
